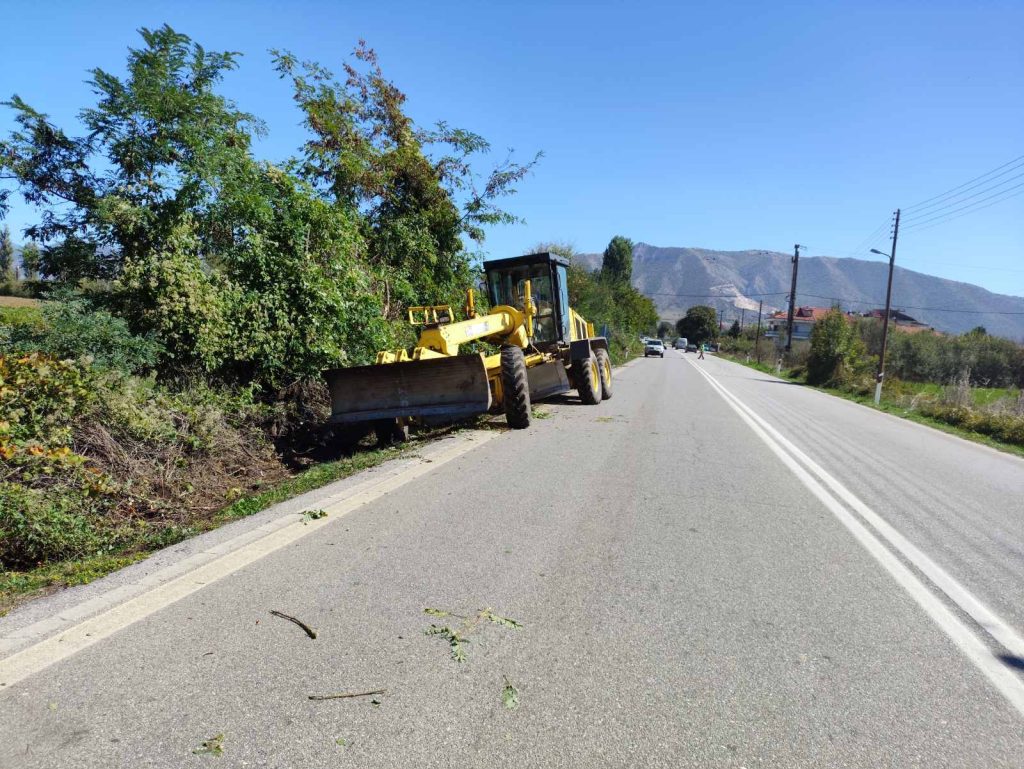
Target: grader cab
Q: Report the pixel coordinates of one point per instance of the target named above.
(546, 348)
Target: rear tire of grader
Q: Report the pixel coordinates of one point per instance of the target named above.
(604, 365)
(515, 387)
(588, 380)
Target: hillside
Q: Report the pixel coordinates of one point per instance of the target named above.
(730, 281)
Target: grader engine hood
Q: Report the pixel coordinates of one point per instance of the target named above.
(441, 388)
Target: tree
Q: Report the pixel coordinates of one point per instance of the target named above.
(617, 265)
(157, 147)
(699, 325)
(664, 329)
(417, 187)
(835, 349)
(246, 270)
(30, 260)
(6, 255)
(734, 329)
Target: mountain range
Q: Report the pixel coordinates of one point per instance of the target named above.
(733, 282)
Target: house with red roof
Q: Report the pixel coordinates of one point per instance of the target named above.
(804, 319)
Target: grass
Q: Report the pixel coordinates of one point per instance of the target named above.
(899, 410)
(982, 396)
(309, 480)
(19, 586)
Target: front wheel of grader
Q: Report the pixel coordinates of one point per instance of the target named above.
(515, 387)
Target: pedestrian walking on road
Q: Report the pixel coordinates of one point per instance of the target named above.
(700, 353)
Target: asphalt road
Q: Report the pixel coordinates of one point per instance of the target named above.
(691, 592)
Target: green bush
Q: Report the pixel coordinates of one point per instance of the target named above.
(940, 358)
(287, 301)
(71, 327)
(835, 351)
(44, 525)
(103, 460)
(1008, 428)
(39, 399)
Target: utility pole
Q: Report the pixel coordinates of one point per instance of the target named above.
(757, 336)
(888, 304)
(743, 317)
(792, 298)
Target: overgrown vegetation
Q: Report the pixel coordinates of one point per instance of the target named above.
(194, 292)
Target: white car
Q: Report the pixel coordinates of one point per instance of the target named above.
(654, 347)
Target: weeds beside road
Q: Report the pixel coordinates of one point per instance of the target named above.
(993, 416)
(101, 463)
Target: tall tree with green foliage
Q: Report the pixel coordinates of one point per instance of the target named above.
(699, 325)
(30, 260)
(157, 146)
(244, 269)
(617, 264)
(417, 188)
(6, 254)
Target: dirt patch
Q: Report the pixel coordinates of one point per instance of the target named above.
(18, 301)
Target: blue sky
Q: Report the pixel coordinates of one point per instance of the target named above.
(718, 125)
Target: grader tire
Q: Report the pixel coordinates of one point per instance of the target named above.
(604, 365)
(515, 387)
(588, 380)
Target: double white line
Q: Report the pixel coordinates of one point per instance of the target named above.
(870, 530)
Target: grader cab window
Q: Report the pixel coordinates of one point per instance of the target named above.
(508, 286)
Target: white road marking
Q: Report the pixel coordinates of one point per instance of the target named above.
(80, 636)
(1008, 683)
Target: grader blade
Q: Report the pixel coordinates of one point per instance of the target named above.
(437, 388)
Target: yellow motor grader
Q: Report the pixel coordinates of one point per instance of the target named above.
(547, 348)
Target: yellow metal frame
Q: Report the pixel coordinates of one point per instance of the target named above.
(430, 315)
(579, 327)
(503, 324)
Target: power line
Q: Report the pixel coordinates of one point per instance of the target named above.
(838, 299)
(869, 241)
(923, 309)
(960, 200)
(972, 266)
(961, 186)
(716, 296)
(949, 217)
